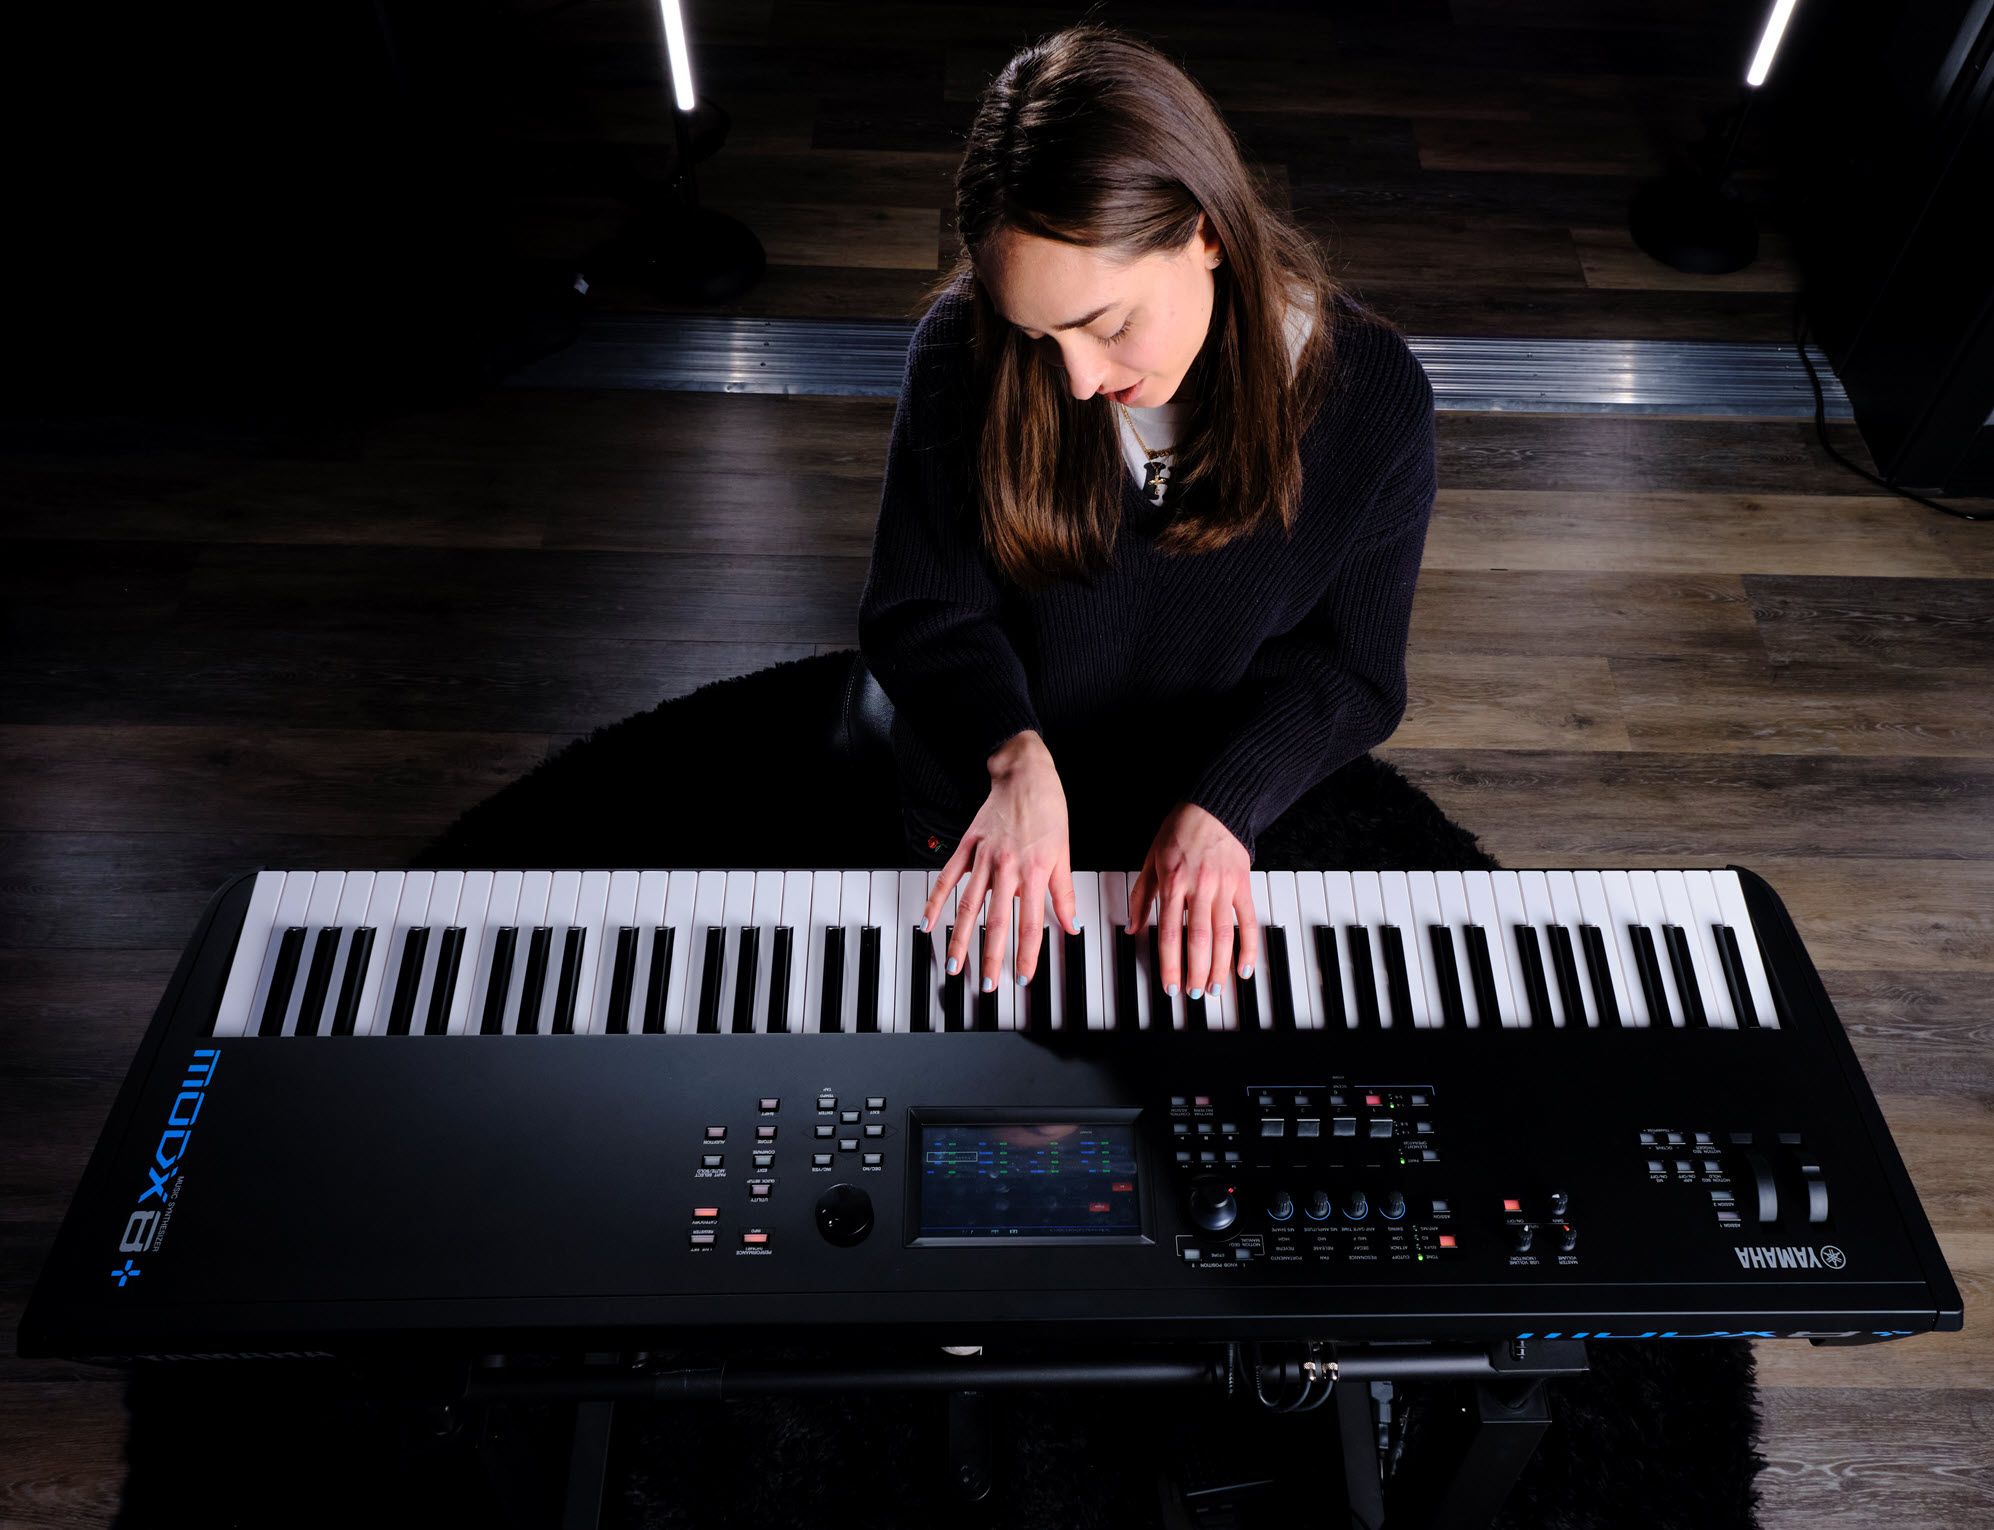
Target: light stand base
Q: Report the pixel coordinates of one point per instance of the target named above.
(1691, 224)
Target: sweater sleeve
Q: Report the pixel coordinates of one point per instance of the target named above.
(929, 615)
(1332, 687)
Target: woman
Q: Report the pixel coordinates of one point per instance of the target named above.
(1142, 515)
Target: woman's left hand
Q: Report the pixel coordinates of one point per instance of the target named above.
(1196, 864)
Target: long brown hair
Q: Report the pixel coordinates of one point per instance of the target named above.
(1093, 137)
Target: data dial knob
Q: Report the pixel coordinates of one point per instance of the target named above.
(1318, 1207)
(1212, 1206)
(844, 1215)
(1280, 1206)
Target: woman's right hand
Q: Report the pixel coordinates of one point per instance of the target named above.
(1016, 846)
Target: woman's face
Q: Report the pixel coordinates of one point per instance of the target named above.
(1144, 322)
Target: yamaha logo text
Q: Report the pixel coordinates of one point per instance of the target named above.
(145, 1228)
(1767, 1256)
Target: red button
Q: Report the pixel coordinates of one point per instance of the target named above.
(1372, 1099)
(1512, 1205)
(1122, 1186)
(1446, 1240)
(706, 1211)
(754, 1237)
(1098, 1206)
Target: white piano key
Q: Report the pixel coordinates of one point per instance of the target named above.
(1053, 958)
(1369, 895)
(854, 908)
(1398, 911)
(321, 913)
(1452, 894)
(737, 913)
(535, 888)
(1626, 914)
(1312, 902)
(1423, 890)
(246, 967)
(1543, 915)
(1573, 913)
(826, 889)
(709, 911)
(444, 896)
(1339, 893)
(294, 899)
(1175, 1002)
(1647, 901)
(1738, 915)
(619, 911)
(650, 914)
(1115, 913)
(411, 912)
(472, 906)
(590, 906)
(681, 1007)
(798, 889)
(563, 895)
(1284, 912)
(380, 918)
(914, 884)
(1707, 913)
(1511, 912)
(767, 918)
(1007, 964)
(1097, 926)
(355, 898)
(1706, 974)
(892, 974)
(1482, 909)
(1600, 910)
(501, 912)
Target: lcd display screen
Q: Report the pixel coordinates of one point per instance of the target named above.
(1043, 1179)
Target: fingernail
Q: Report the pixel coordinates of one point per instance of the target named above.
(1024, 981)
(924, 926)
(990, 985)
(1171, 989)
(955, 964)
(1197, 993)
(1247, 970)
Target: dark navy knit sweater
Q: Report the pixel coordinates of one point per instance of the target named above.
(1235, 679)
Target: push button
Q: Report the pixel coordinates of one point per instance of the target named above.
(1308, 1126)
(820, 1160)
(874, 1129)
(712, 1160)
(759, 1192)
(765, 1134)
(716, 1134)
(848, 1144)
(1381, 1126)
(764, 1160)
(848, 1116)
(703, 1239)
(1343, 1126)
(875, 1102)
(770, 1103)
(1274, 1126)
(874, 1160)
(825, 1129)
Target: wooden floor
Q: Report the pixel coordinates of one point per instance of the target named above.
(1636, 641)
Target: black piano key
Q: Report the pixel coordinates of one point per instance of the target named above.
(1282, 978)
(1651, 973)
(1161, 1017)
(408, 978)
(1333, 1011)
(1535, 989)
(443, 989)
(1685, 970)
(1195, 1018)
(1363, 976)
(347, 1010)
(1127, 978)
(658, 982)
(712, 971)
(1246, 991)
(1601, 973)
(1483, 969)
(539, 955)
(1734, 974)
(920, 972)
(1447, 968)
(1037, 1013)
(1397, 987)
(952, 988)
(1564, 962)
(492, 1023)
(1073, 952)
(986, 1003)
(574, 950)
(623, 978)
(278, 1000)
(747, 974)
(318, 980)
(779, 970)
(831, 1002)
(868, 977)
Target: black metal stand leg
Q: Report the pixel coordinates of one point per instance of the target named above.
(1489, 1442)
(1361, 1483)
(969, 1445)
(588, 1466)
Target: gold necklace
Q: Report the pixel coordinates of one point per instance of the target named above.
(1147, 449)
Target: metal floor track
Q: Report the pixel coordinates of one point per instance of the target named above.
(864, 358)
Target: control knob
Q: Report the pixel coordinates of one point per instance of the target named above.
(1355, 1207)
(1524, 1235)
(1280, 1206)
(1319, 1207)
(1212, 1206)
(1392, 1206)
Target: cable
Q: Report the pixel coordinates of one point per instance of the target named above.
(1821, 424)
